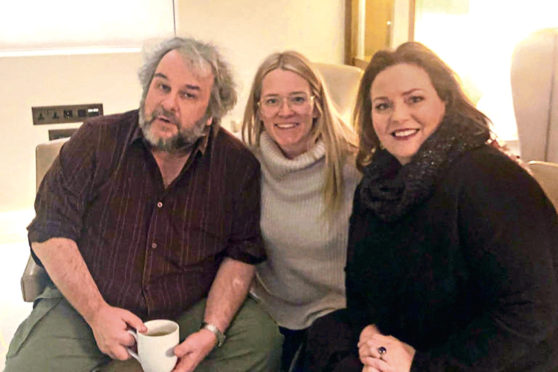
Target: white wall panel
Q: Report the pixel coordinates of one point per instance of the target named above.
(59, 24)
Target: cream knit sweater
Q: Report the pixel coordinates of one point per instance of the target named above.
(303, 277)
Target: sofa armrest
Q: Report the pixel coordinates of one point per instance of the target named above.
(33, 281)
(35, 278)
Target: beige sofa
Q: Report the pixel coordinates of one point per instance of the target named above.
(534, 81)
(34, 277)
(342, 83)
(546, 174)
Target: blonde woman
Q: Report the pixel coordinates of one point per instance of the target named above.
(309, 176)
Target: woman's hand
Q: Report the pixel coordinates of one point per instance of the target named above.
(383, 353)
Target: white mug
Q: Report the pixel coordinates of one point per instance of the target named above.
(156, 346)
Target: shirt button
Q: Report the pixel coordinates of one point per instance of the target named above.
(153, 245)
(159, 204)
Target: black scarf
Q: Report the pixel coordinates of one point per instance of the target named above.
(391, 190)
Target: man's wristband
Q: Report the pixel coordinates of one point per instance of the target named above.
(213, 329)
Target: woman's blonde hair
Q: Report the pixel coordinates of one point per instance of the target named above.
(338, 137)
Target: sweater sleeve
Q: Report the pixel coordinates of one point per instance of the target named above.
(509, 235)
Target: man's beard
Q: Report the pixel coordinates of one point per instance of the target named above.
(181, 141)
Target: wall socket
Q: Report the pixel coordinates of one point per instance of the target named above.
(66, 113)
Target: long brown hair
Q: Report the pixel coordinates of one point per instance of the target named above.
(442, 77)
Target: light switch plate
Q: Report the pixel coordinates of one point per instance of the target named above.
(65, 113)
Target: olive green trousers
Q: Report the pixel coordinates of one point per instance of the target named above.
(56, 338)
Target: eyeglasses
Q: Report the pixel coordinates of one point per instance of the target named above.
(270, 105)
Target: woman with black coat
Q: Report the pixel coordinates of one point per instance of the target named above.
(452, 246)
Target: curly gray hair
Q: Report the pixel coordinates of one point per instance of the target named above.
(199, 56)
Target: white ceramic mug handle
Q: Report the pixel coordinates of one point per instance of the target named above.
(130, 351)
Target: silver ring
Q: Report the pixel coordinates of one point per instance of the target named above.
(382, 351)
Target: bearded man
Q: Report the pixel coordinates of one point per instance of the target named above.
(153, 213)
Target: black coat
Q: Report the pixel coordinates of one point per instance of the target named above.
(468, 276)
